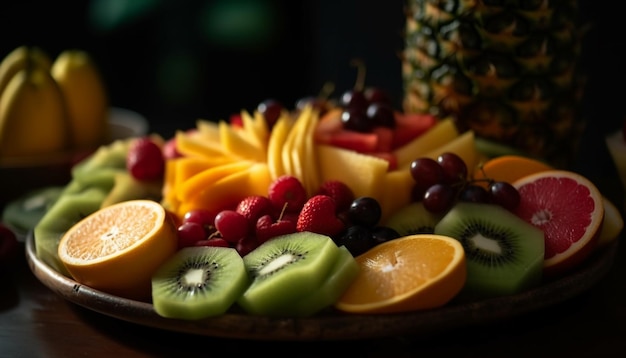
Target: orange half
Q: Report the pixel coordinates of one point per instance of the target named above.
(116, 249)
(406, 274)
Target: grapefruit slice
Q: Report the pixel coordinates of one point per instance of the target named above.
(117, 249)
(409, 273)
(569, 209)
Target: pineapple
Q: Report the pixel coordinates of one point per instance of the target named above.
(510, 70)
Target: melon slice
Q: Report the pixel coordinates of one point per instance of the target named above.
(364, 174)
(442, 133)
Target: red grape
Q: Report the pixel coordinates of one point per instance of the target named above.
(504, 194)
(439, 198)
(454, 168)
(426, 172)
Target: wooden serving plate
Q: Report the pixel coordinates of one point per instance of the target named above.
(330, 325)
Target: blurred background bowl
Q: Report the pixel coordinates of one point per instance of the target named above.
(20, 175)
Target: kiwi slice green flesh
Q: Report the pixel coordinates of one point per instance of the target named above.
(99, 169)
(66, 211)
(285, 269)
(413, 219)
(504, 253)
(343, 272)
(198, 282)
(126, 188)
(23, 213)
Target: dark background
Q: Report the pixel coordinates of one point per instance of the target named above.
(173, 62)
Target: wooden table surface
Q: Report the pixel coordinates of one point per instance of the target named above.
(37, 322)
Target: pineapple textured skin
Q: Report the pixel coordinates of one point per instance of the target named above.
(510, 70)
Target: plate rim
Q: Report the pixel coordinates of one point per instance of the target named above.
(332, 325)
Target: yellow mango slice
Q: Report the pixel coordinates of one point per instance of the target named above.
(226, 192)
(277, 139)
(443, 132)
(207, 178)
(250, 130)
(294, 150)
(195, 144)
(208, 130)
(237, 144)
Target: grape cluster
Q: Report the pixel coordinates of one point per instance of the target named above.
(442, 182)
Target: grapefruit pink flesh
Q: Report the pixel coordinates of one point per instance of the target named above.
(568, 208)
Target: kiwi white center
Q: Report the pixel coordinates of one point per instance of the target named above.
(194, 277)
(486, 244)
(277, 263)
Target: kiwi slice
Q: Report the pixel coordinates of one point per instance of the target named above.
(286, 269)
(99, 169)
(343, 272)
(66, 211)
(23, 213)
(126, 188)
(413, 219)
(198, 282)
(504, 253)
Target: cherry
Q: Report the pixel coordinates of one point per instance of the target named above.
(231, 225)
(189, 233)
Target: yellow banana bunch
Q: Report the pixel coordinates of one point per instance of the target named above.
(50, 106)
(33, 118)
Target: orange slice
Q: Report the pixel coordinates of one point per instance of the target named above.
(406, 274)
(116, 249)
(509, 168)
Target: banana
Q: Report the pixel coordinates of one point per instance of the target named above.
(85, 97)
(33, 118)
(16, 60)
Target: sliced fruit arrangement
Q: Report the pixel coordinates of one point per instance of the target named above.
(308, 199)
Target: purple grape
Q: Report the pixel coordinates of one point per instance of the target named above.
(426, 172)
(504, 194)
(439, 198)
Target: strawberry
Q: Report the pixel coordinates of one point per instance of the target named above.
(339, 191)
(289, 190)
(253, 207)
(319, 215)
(267, 228)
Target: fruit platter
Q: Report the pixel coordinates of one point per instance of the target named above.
(342, 218)
(188, 202)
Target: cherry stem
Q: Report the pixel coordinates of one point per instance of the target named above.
(359, 84)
